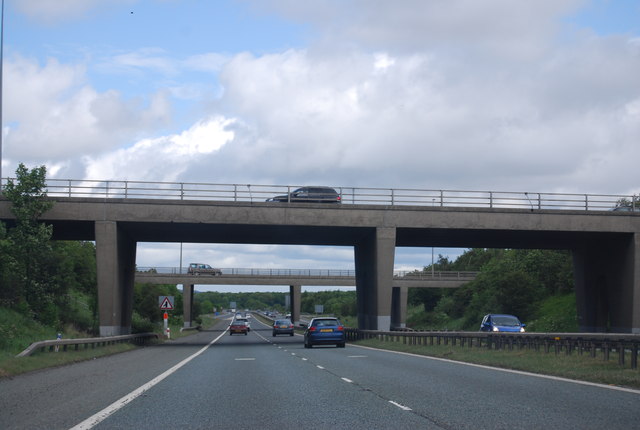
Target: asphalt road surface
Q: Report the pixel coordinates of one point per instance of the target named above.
(214, 380)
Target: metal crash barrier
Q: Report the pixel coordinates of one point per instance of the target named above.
(56, 344)
(594, 344)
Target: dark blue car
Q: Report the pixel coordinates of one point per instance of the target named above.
(502, 322)
(324, 331)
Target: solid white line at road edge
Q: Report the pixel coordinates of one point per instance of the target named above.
(519, 372)
(118, 404)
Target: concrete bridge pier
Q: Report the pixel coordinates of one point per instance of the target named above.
(374, 255)
(606, 272)
(294, 293)
(187, 305)
(116, 262)
(399, 307)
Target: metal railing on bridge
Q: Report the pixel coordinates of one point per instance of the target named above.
(349, 195)
(317, 273)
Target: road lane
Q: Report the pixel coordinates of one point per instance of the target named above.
(258, 381)
(464, 396)
(59, 398)
(247, 382)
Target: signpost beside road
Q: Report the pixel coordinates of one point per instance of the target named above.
(166, 304)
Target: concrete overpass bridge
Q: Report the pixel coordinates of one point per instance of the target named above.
(119, 214)
(295, 279)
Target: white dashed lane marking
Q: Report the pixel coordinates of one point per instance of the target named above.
(404, 408)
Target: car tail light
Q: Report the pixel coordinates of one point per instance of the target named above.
(339, 198)
(340, 328)
(290, 325)
(312, 329)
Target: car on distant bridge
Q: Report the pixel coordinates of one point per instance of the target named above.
(309, 195)
(203, 269)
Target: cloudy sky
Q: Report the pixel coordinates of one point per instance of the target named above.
(503, 95)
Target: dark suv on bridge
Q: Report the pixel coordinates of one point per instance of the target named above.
(203, 269)
(309, 195)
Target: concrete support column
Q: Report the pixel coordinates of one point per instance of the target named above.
(295, 292)
(116, 261)
(374, 256)
(187, 305)
(607, 284)
(399, 299)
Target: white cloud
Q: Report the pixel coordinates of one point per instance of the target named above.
(451, 94)
(55, 115)
(164, 158)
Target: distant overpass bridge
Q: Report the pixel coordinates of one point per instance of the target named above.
(316, 277)
(373, 221)
(295, 279)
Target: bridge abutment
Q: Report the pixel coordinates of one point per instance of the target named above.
(295, 292)
(374, 256)
(607, 287)
(399, 307)
(187, 305)
(116, 261)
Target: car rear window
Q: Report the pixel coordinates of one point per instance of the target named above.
(327, 322)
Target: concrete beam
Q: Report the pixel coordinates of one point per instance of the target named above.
(187, 305)
(116, 258)
(606, 283)
(295, 291)
(374, 256)
(399, 307)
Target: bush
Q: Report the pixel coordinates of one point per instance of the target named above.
(556, 314)
(142, 325)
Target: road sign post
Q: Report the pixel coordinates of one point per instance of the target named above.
(166, 304)
(167, 330)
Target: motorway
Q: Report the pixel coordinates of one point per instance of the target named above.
(213, 380)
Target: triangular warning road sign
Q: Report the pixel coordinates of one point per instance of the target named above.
(166, 304)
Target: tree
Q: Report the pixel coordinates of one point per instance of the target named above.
(30, 249)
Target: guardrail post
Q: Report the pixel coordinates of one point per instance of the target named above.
(621, 354)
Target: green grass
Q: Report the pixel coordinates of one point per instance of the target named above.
(579, 367)
(18, 332)
(11, 366)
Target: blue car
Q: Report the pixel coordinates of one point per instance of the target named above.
(501, 322)
(324, 331)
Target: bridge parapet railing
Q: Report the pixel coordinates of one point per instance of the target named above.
(330, 273)
(438, 274)
(253, 272)
(604, 344)
(350, 195)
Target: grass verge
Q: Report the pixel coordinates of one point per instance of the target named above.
(10, 365)
(578, 367)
